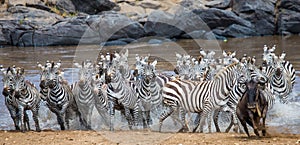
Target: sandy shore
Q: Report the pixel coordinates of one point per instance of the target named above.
(140, 137)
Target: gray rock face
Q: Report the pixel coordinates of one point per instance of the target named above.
(220, 4)
(160, 23)
(288, 22)
(83, 30)
(93, 6)
(259, 12)
(220, 18)
(290, 4)
(238, 31)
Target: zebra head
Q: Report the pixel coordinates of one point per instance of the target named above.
(18, 87)
(50, 74)
(112, 70)
(123, 62)
(229, 57)
(86, 71)
(269, 55)
(7, 79)
(149, 72)
(253, 71)
(140, 66)
(183, 66)
(278, 64)
(199, 69)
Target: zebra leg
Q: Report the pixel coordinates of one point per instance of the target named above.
(199, 127)
(35, 113)
(60, 120)
(230, 125)
(21, 118)
(165, 115)
(14, 115)
(209, 116)
(136, 115)
(215, 118)
(112, 115)
(183, 123)
(26, 121)
(129, 117)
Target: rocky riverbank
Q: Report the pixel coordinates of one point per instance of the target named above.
(116, 22)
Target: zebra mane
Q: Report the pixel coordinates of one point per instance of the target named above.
(226, 68)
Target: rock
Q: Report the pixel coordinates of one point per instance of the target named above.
(36, 17)
(85, 6)
(238, 31)
(220, 4)
(288, 22)
(155, 41)
(160, 23)
(128, 9)
(290, 4)
(194, 34)
(114, 42)
(259, 12)
(220, 18)
(192, 4)
(84, 30)
(93, 6)
(149, 4)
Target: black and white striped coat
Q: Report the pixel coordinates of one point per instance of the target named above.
(10, 101)
(59, 96)
(27, 97)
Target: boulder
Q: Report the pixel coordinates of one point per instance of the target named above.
(238, 31)
(220, 18)
(150, 4)
(220, 4)
(84, 30)
(288, 22)
(93, 6)
(162, 24)
(259, 12)
(290, 5)
(36, 17)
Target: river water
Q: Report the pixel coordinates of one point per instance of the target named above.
(284, 116)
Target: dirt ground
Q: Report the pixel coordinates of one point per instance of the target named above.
(140, 137)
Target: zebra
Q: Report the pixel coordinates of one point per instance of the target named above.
(124, 66)
(27, 97)
(10, 101)
(281, 75)
(59, 97)
(120, 95)
(200, 97)
(142, 86)
(83, 91)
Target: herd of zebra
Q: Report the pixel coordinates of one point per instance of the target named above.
(204, 85)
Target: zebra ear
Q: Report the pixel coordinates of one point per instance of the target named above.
(178, 55)
(2, 69)
(233, 54)
(137, 57)
(265, 48)
(77, 64)
(282, 56)
(126, 53)
(40, 66)
(224, 53)
(202, 52)
(154, 63)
